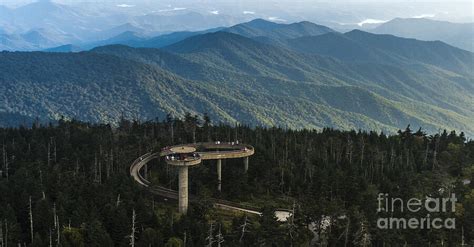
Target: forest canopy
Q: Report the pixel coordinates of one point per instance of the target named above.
(68, 184)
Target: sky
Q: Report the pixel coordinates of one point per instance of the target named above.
(249, 1)
(338, 11)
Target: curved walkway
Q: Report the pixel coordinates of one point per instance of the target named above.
(215, 150)
(206, 151)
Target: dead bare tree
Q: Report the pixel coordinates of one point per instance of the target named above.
(95, 169)
(291, 223)
(56, 224)
(107, 166)
(134, 230)
(6, 233)
(425, 158)
(172, 130)
(50, 239)
(49, 153)
(244, 229)
(6, 162)
(273, 147)
(346, 232)
(53, 149)
(362, 150)
(58, 232)
(31, 221)
(219, 237)
(100, 172)
(112, 160)
(407, 152)
(118, 201)
(76, 169)
(435, 152)
(2, 244)
(210, 237)
(55, 152)
(392, 157)
(4, 157)
(54, 216)
(185, 239)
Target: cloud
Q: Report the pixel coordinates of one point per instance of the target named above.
(215, 12)
(274, 18)
(424, 16)
(246, 12)
(170, 10)
(125, 5)
(370, 21)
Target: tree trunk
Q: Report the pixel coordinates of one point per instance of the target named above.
(1, 235)
(31, 221)
(132, 235)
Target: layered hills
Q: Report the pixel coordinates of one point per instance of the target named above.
(352, 80)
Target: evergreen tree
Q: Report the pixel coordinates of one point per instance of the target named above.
(95, 235)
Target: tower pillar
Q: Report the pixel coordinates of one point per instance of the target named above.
(183, 190)
(219, 175)
(246, 164)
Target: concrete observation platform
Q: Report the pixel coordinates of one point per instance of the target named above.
(205, 151)
(188, 155)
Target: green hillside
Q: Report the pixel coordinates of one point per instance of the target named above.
(275, 33)
(457, 34)
(237, 79)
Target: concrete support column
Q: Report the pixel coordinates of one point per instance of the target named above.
(246, 164)
(219, 175)
(183, 190)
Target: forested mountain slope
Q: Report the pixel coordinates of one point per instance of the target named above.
(457, 34)
(258, 29)
(367, 47)
(91, 86)
(240, 62)
(237, 79)
(275, 32)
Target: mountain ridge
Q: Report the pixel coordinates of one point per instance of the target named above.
(460, 35)
(236, 79)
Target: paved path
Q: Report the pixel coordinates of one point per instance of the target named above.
(216, 151)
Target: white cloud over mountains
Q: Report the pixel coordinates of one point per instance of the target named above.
(424, 16)
(277, 19)
(370, 21)
(125, 5)
(171, 10)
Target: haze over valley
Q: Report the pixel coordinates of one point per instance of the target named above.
(233, 66)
